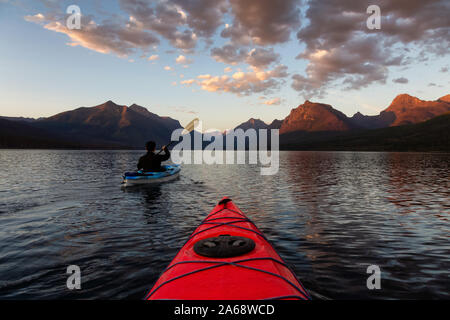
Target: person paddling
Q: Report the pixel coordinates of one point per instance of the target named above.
(151, 162)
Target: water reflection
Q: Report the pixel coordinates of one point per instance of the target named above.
(329, 215)
(151, 202)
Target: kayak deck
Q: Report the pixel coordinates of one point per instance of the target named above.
(258, 274)
(171, 172)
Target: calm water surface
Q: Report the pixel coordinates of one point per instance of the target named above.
(329, 214)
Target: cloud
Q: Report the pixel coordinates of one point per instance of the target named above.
(203, 16)
(180, 22)
(237, 35)
(168, 68)
(184, 40)
(188, 82)
(183, 60)
(307, 87)
(257, 57)
(229, 54)
(183, 23)
(228, 69)
(273, 102)
(425, 21)
(161, 17)
(328, 29)
(337, 46)
(37, 18)
(107, 37)
(153, 57)
(53, 4)
(262, 57)
(401, 80)
(263, 21)
(340, 50)
(244, 83)
(357, 64)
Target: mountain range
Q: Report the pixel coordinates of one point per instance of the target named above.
(309, 126)
(314, 117)
(107, 125)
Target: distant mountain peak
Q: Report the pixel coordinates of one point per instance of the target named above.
(358, 115)
(139, 109)
(276, 124)
(110, 103)
(405, 96)
(22, 119)
(112, 124)
(406, 99)
(445, 98)
(409, 109)
(312, 116)
(309, 104)
(253, 120)
(257, 124)
(253, 124)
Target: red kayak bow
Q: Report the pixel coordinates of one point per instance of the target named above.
(227, 258)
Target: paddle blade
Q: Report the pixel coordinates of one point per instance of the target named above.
(190, 126)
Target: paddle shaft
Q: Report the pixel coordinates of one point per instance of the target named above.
(187, 129)
(171, 142)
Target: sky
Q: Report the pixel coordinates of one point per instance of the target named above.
(224, 61)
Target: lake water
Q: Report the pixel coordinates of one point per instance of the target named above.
(329, 214)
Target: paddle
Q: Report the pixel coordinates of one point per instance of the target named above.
(190, 126)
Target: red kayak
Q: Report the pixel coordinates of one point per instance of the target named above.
(227, 258)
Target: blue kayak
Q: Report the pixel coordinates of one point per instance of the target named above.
(170, 172)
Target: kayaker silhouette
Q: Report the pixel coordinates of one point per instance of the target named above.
(151, 162)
